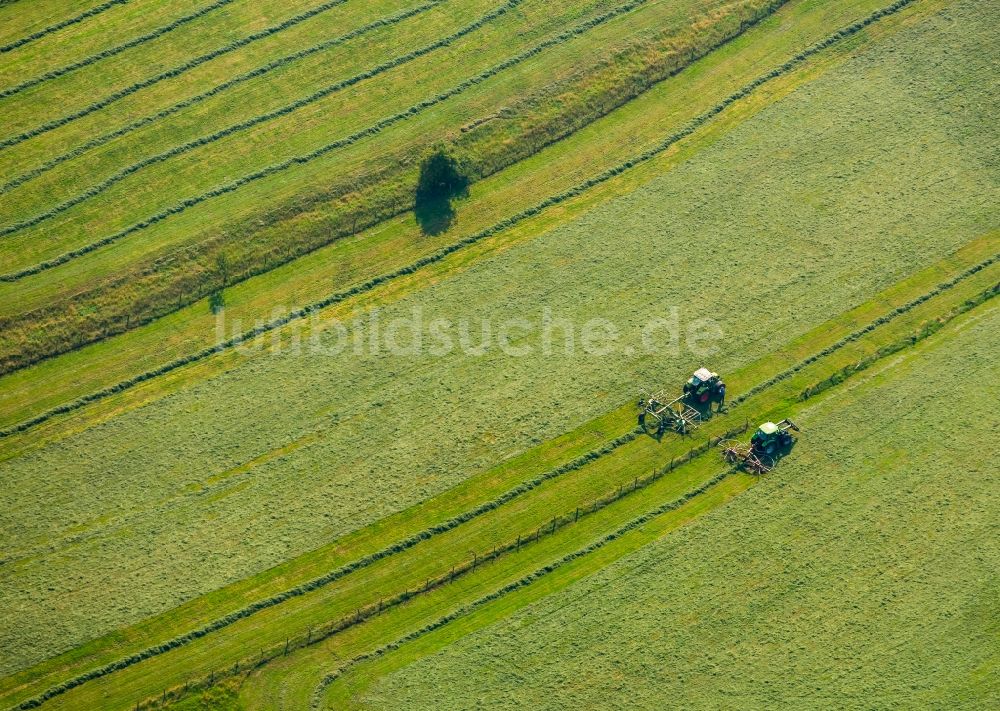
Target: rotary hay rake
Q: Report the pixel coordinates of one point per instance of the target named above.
(657, 414)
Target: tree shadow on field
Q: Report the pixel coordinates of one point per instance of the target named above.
(441, 181)
(434, 214)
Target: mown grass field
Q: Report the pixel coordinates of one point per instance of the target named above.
(326, 432)
(856, 575)
(230, 644)
(288, 527)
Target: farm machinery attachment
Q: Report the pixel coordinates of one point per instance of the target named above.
(661, 412)
(765, 448)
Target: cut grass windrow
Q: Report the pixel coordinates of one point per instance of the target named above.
(379, 196)
(510, 495)
(62, 25)
(513, 545)
(387, 21)
(256, 121)
(143, 39)
(444, 252)
(175, 72)
(850, 338)
(518, 584)
(288, 109)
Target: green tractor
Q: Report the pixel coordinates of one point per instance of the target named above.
(705, 387)
(766, 446)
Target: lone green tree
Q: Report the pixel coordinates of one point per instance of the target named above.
(441, 180)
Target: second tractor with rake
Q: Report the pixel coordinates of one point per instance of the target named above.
(767, 445)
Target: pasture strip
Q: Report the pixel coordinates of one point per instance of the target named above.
(442, 253)
(821, 479)
(372, 130)
(387, 21)
(143, 39)
(378, 196)
(330, 577)
(856, 335)
(264, 118)
(878, 355)
(62, 25)
(523, 582)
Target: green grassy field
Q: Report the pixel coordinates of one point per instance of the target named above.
(856, 574)
(222, 471)
(405, 570)
(294, 523)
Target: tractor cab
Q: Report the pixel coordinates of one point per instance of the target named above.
(705, 386)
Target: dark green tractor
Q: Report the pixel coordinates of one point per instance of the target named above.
(766, 446)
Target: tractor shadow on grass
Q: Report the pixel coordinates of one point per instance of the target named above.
(780, 453)
(707, 410)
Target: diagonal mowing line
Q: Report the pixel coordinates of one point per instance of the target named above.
(343, 571)
(485, 507)
(442, 253)
(62, 25)
(387, 21)
(158, 32)
(284, 111)
(518, 584)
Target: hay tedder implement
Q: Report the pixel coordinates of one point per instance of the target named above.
(661, 412)
(767, 445)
